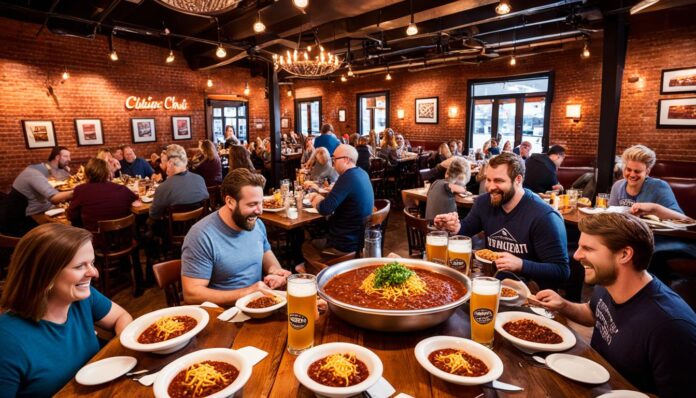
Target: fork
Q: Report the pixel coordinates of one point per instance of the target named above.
(137, 375)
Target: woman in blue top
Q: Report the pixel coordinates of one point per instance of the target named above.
(49, 311)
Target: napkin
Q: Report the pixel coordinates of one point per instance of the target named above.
(148, 380)
(252, 354)
(381, 389)
(208, 304)
(311, 210)
(228, 314)
(402, 395)
(240, 317)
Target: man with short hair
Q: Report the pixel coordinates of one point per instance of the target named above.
(348, 204)
(133, 165)
(181, 187)
(230, 138)
(542, 170)
(225, 254)
(57, 164)
(528, 234)
(641, 327)
(327, 139)
(523, 150)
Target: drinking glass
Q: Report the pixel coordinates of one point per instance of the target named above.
(459, 253)
(373, 243)
(573, 195)
(485, 293)
(284, 187)
(602, 201)
(436, 246)
(302, 304)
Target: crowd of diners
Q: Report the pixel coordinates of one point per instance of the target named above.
(644, 329)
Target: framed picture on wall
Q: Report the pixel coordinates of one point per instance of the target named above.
(681, 80)
(676, 113)
(143, 130)
(39, 134)
(284, 122)
(341, 115)
(181, 127)
(89, 132)
(427, 110)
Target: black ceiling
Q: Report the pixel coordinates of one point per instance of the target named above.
(370, 33)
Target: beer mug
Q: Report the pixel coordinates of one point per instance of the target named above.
(459, 253)
(602, 201)
(436, 247)
(484, 307)
(302, 304)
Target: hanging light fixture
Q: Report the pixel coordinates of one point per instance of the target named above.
(66, 75)
(170, 57)
(350, 72)
(412, 28)
(246, 89)
(209, 83)
(307, 63)
(289, 93)
(112, 51)
(586, 50)
(301, 4)
(259, 27)
(216, 7)
(503, 7)
(388, 77)
(220, 52)
(513, 61)
(343, 79)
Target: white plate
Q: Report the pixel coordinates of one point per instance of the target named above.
(483, 260)
(259, 312)
(129, 335)
(105, 370)
(591, 210)
(306, 202)
(508, 298)
(371, 360)
(425, 347)
(623, 394)
(678, 225)
(311, 210)
(565, 333)
(233, 357)
(54, 212)
(618, 209)
(578, 368)
(273, 210)
(146, 199)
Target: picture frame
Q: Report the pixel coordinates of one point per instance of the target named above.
(284, 122)
(341, 115)
(143, 129)
(39, 134)
(181, 128)
(89, 132)
(679, 113)
(679, 80)
(427, 110)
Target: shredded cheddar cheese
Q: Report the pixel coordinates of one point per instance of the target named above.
(341, 365)
(167, 326)
(200, 376)
(414, 285)
(455, 361)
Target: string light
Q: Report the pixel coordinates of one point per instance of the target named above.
(503, 7)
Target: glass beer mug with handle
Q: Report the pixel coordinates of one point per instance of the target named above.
(459, 253)
(436, 247)
(302, 304)
(484, 308)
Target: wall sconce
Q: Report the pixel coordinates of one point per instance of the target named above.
(574, 111)
(452, 112)
(400, 114)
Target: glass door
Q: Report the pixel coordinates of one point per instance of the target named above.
(533, 122)
(228, 113)
(507, 111)
(373, 112)
(308, 116)
(483, 122)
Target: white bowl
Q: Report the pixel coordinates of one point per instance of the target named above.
(504, 317)
(259, 312)
(425, 347)
(513, 298)
(166, 375)
(371, 360)
(129, 336)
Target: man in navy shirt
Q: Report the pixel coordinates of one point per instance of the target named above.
(641, 327)
(527, 233)
(134, 166)
(542, 170)
(327, 139)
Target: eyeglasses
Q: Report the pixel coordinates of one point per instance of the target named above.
(333, 159)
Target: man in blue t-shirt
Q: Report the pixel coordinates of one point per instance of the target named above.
(327, 139)
(527, 233)
(225, 255)
(641, 327)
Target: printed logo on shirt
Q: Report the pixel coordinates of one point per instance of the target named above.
(626, 202)
(503, 240)
(605, 322)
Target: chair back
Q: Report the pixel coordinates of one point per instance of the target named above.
(378, 167)
(115, 238)
(313, 266)
(168, 277)
(214, 197)
(181, 220)
(416, 232)
(380, 218)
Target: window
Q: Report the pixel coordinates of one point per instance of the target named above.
(513, 109)
(308, 116)
(228, 113)
(373, 112)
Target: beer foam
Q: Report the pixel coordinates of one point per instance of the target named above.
(436, 240)
(486, 288)
(460, 246)
(302, 289)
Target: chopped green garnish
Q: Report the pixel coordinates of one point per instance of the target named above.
(392, 274)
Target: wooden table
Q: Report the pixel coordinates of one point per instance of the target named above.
(278, 219)
(574, 217)
(412, 197)
(274, 376)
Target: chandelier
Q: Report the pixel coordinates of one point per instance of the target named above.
(200, 7)
(307, 64)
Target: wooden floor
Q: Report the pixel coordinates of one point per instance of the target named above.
(396, 242)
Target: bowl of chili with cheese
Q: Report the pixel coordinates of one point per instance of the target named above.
(164, 331)
(533, 332)
(260, 304)
(458, 360)
(338, 370)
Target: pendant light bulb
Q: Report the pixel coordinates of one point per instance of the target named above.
(66, 75)
(503, 7)
(513, 61)
(259, 27)
(343, 79)
(586, 51)
(170, 57)
(220, 52)
(210, 83)
(412, 29)
(113, 56)
(289, 93)
(388, 76)
(301, 4)
(350, 72)
(246, 89)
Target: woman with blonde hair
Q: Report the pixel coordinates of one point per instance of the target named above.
(49, 311)
(443, 153)
(209, 165)
(373, 142)
(114, 165)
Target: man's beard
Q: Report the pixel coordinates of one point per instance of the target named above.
(606, 276)
(243, 221)
(503, 198)
(62, 165)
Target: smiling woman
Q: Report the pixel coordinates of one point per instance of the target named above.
(51, 310)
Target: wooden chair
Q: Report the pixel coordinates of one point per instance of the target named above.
(168, 277)
(416, 231)
(380, 218)
(7, 246)
(214, 197)
(378, 167)
(180, 219)
(313, 266)
(113, 242)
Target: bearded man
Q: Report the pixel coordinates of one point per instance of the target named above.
(226, 254)
(528, 234)
(641, 327)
